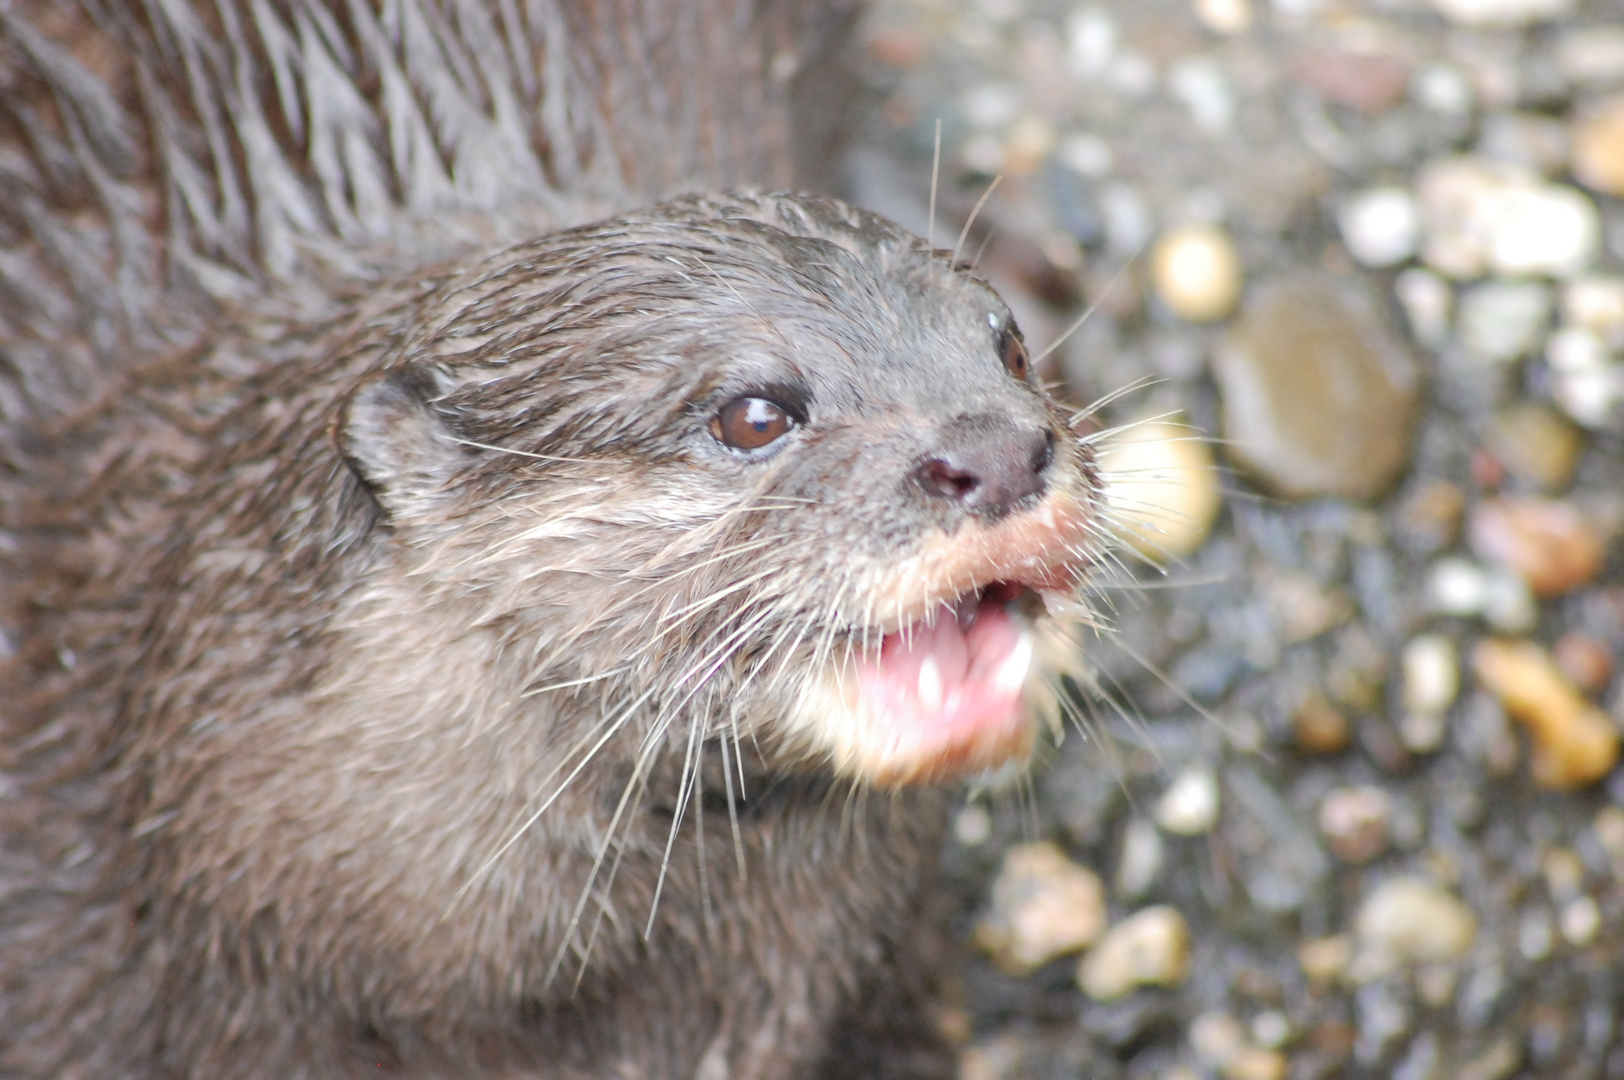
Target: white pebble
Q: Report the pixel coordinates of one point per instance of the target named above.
(1427, 300)
(1596, 304)
(1486, 217)
(991, 105)
(1128, 220)
(1441, 88)
(1591, 396)
(972, 826)
(1502, 12)
(1161, 487)
(1407, 920)
(1576, 348)
(1381, 226)
(1143, 854)
(1271, 1028)
(1457, 587)
(1504, 320)
(1189, 807)
(1091, 41)
(1581, 920)
(1150, 948)
(1431, 673)
(1202, 84)
(1508, 605)
(1086, 155)
(1534, 935)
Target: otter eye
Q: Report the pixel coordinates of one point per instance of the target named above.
(1012, 351)
(749, 423)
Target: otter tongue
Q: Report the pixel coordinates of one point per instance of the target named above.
(951, 680)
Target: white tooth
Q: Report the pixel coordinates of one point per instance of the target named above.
(1011, 674)
(930, 685)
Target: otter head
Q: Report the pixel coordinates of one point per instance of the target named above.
(758, 469)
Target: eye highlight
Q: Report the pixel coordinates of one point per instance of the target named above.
(750, 423)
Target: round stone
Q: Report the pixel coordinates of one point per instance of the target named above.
(1598, 147)
(1043, 906)
(1150, 948)
(1407, 920)
(1161, 485)
(1319, 398)
(1381, 226)
(1196, 271)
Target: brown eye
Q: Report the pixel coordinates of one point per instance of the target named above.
(1013, 352)
(749, 423)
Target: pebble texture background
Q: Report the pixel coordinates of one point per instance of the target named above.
(1343, 801)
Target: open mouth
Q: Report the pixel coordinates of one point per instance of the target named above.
(948, 688)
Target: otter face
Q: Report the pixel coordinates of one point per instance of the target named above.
(768, 455)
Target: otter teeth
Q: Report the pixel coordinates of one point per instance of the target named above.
(1011, 674)
(930, 685)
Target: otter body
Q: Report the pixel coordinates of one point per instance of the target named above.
(440, 656)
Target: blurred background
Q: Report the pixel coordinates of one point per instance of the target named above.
(1342, 798)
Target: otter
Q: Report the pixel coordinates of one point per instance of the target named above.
(440, 653)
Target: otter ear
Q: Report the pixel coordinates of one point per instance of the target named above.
(398, 443)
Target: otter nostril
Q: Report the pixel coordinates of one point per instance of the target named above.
(988, 464)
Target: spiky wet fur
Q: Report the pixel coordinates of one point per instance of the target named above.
(387, 639)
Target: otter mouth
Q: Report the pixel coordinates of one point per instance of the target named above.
(957, 677)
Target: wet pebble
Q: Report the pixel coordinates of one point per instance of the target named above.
(1536, 444)
(1503, 320)
(1407, 920)
(1547, 543)
(1598, 147)
(1318, 397)
(1575, 743)
(1043, 906)
(1381, 226)
(1486, 217)
(1149, 948)
(1355, 822)
(1189, 807)
(1161, 486)
(1196, 272)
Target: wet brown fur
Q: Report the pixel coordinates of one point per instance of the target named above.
(376, 651)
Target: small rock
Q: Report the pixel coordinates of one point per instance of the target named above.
(1428, 302)
(1504, 320)
(1585, 381)
(1143, 855)
(1271, 1028)
(1596, 304)
(1461, 588)
(1255, 1063)
(1432, 513)
(1318, 398)
(1502, 12)
(1301, 607)
(1575, 743)
(1043, 906)
(1319, 727)
(1431, 675)
(1381, 226)
(1196, 272)
(1203, 85)
(1536, 444)
(1355, 822)
(1527, 140)
(1564, 873)
(1546, 542)
(1161, 484)
(1580, 921)
(972, 826)
(1535, 935)
(1487, 217)
(1598, 147)
(1586, 661)
(1150, 948)
(1216, 1037)
(1325, 960)
(1371, 82)
(1189, 807)
(1406, 920)
(1591, 53)
(1224, 16)
(1498, 1062)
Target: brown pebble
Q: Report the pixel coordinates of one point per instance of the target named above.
(1368, 82)
(1324, 960)
(1575, 743)
(1319, 726)
(1588, 662)
(1536, 444)
(1432, 514)
(1354, 822)
(1547, 543)
(1598, 147)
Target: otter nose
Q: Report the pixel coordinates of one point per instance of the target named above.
(987, 463)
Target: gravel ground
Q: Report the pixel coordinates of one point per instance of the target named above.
(1341, 801)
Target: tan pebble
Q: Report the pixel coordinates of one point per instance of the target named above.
(1598, 147)
(1499, 1061)
(1324, 960)
(1150, 948)
(1586, 661)
(1216, 1037)
(1161, 485)
(1574, 742)
(1196, 271)
(1536, 444)
(1547, 543)
(1319, 727)
(1030, 141)
(1406, 920)
(1433, 513)
(1043, 906)
(1255, 1063)
(1302, 608)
